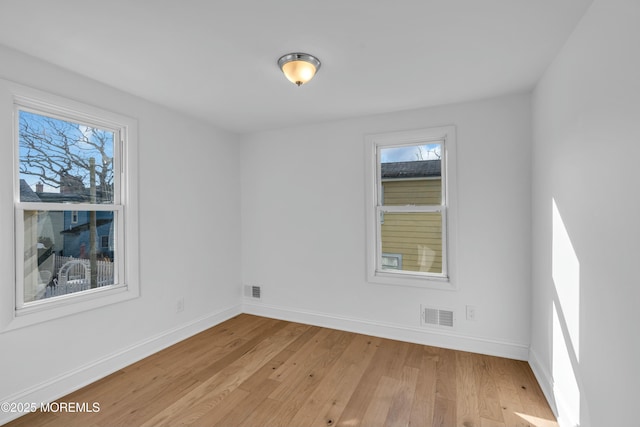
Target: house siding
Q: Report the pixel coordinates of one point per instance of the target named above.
(412, 192)
(415, 236)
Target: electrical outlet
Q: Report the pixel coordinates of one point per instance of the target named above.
(180, 305)
(471, 313)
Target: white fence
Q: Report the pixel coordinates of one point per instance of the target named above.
(74, 275)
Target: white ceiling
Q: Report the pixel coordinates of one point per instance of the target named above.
(216, 59)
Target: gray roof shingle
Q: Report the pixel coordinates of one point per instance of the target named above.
(415, 169)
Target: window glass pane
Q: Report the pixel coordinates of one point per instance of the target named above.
(58, 258)
(411, 175)
(416, 237)
(63, 161)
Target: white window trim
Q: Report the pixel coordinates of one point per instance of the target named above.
(373, 143)
(14, 96)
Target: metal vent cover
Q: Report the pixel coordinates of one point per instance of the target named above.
(437, 317)
(255, 292)
(252, 291)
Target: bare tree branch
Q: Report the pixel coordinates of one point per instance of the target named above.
(51, 149)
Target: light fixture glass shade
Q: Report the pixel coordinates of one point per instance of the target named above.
(299, 68)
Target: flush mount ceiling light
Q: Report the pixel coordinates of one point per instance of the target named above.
(299, 68)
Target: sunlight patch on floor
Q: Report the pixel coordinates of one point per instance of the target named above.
(536, 421)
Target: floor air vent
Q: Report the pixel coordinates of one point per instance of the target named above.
(437, 317)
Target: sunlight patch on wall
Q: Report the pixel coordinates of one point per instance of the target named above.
(565, 271)
(565, 384)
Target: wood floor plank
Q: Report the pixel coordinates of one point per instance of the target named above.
(267, 370)
(535, 394)
(467, 408)
(502, 371)
(325, 391)
(254, 372)
(425, 395)
(485, 422)
(243, 411)
(307, 370)
(262, 414)
(239, 413)
(358, 363)
(446, 375)
(378, 408)
(444, 412)
(298, 360)
(159, 395)
(295, 392)
(488, 400)
(223, 411)
(384, 362)
(399, 413)
(205, 396)
(528, 390)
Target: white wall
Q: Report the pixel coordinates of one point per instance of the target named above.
(189, 238)
(585, 255)
(303, 240)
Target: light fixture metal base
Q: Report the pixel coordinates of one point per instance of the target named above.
(298, 56)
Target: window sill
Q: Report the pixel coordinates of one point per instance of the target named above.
(412, 280)
(61, 307)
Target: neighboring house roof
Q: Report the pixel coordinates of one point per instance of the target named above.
(27, 194)
(415, 169)
(61, 198)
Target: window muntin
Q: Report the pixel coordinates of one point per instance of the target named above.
(408, 199)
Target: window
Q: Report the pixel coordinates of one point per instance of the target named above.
(409, 206)
(74, 204)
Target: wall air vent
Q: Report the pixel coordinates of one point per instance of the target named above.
(252, 292)
(255, 292)
(437, 317)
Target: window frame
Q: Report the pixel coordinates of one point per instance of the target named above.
(374, 143)
(124, 207)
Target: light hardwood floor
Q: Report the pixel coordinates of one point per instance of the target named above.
(259, 372)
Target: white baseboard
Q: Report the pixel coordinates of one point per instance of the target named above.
(425, 336)
(544, 379)
(563, 412)
(68, 382)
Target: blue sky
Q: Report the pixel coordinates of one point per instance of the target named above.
(410, 153)
(44, 129)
